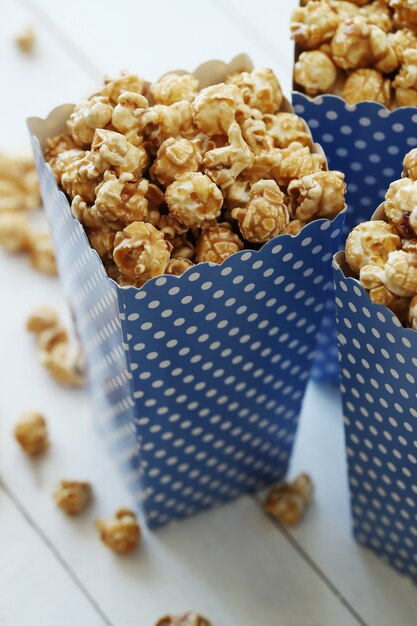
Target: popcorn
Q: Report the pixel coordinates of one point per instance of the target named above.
(313, 24)
(358, 44)
(297, 161)
(288, 502)
(19, 190)
(412, 313)
(410, 165)
(102, 240)
(293, 228)
(63, 161)
(80, 178)
(315, 72)
(398, 305)
(121, 533)
(113, 88)
(367, 84)
(214, 108)
(401, 207)
(172, 121)
(111, 150)
(87, 116)
(132, 115)
(175, 157)
(371, 242)
(119, 203)
(217, 243)
(173, 88)
(405, 12)
(141, 252)
(237, 194)
(378, 13)
(401, 41)
(405, 83)
(285, 128)
(265, 215)
(194, 199)
(186, 619)
(178, 266)
(42, 318)
(345, 9)
(26, 39)
(401, 273)
(14, 232)
(41, 253)
(73, 496)
(224, 165)
(318, 195)
(31, 433)
(254, 132)
(260, 89)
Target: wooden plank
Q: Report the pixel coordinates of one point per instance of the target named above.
(35, 587)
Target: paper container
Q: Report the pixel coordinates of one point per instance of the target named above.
(378, 360)
(366, 142)
(197, 380)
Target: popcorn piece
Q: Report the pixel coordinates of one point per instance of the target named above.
(254, 131)
(194, 199)
(178, 266)
(73, 496)
(410, 165)
(80, 178)
(398, 305)
(315, 72)
(214, 108)
(14, 232)
(367, 84)
(401, 273)
(409, 245)
(265, 215)
(41, 253)
(141, 252)
(96, 112)
(113, 88)
(60, 153)
(42, 318)
(19, 190)
(297, 161)
(119, 203)
(175, 157)
(132, 115)
(371, 242)
(313, 24)
(288, 502)
(86, 214)
(121, 532)
(102, 240)
(65, 161)
(63, 365)
(293, 228)
(318, 195)
(111, 150)
(402, 40)
(31, 433)
(405, 12)
(26, 39)
(173, 88)
(224, 165)
(357, 44)
(186, 619)
(285, 128)
(378, 13)
(171, 121)
(156, 202)
(237, 194)
(405, 83)
(216, 244)
(401, 207)
(345, 9)
(412, 314)
(260, 90)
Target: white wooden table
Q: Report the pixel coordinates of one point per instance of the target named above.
(233, 565)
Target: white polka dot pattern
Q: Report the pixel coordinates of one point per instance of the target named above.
(368, 143)
(203, 402)
(378, 383)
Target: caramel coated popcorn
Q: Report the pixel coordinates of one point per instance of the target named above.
(313, 24)
(401, 206)
(167, 175)
(26, 39)
(186, 619)
(265, 215)
(410, 165)
(318, 195)
(315, 72)
(14, 232)
(371, 242)
(288, 502)
(73, 496)
(372, 47)
(121, 533)
(41, 253)
(31, 433)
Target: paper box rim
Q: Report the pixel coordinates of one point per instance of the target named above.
(242, 60)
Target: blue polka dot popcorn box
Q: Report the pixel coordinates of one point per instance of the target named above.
(366, 142)
(378, 359)
(197, 381)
